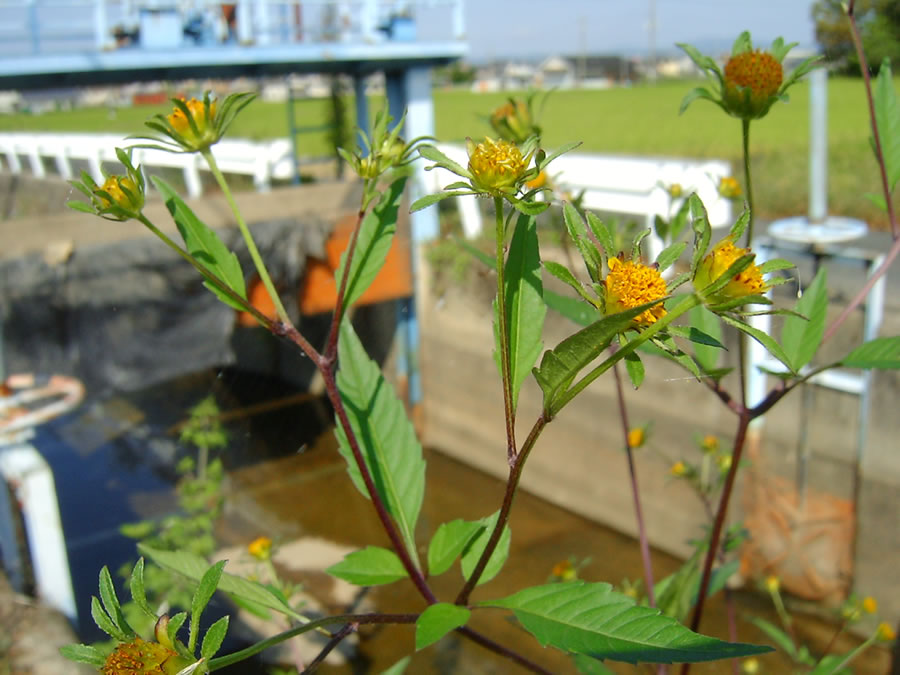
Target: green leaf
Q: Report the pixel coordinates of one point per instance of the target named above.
(592, 619)
(674, 594)
(202, 595)
(676, 227)
(476, 547)
(740, 225)
(881, 353)
(707, 323)
(387, 440)
(573, 309)
(137, 588)
(376, 232)
(428, 200)
(83, 654)
(718, 579)
(593, 260)
(633, 365)
(398, 668)
(763, 338)
(590, 666)
(174, 625)
(530, 208)
(449, 542)
(111, 602)
(104, 623)
(193, 567)
(604, 235)
(525, 308)
(800, 337)
(372, 566)
(778, 636)
(836, 664)
(693, 95)
(887, 118)
(562, 364)
(701, 228)
(438, 620)
(204, 245)
(80, 206)
(212, 641)
(562, 273)
(431, 153)
(563, 149)
(670, 254)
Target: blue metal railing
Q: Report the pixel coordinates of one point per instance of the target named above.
(38, 27)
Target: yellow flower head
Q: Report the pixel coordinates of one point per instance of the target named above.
(497, 167)
(204, 121)
(709, 443)
(260, 548)
(869, 605)
(749, 281)
(630, 284)
(730, 188)
(724, 463)
(885, 632)
(772, 583)
(752, 79)
(564, 570)
(750, 666)
(512, 121)
(675, 190)
(678, 469)
(636, 437)
(143, 658)
(124, 193)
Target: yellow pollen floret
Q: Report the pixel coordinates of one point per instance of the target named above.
(496, 165)
(748, 281)
(756, 70)
(869, 605)
(630, 284)
(180, 123)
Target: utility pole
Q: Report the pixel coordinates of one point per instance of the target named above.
(651, 55)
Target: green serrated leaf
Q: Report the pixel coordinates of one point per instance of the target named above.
(525, 308)
(376, 233)
(593, 260)
(193, 567)
(679, 221)
(476, 546)
(881, 353)
(763, 338)
(105, 623)
(438, 620)
(449, 542)
(802, 337)
(137, 588)
(633, 365)
(593, 620)
(887, 118)
(83, 654)
(202, 595)
(212, 641)
(669, 255)
(372, 566)
(701, 228)
(388, 442)
(204, 245)
(604, 235)
(428, 200)
(174, 625)
(431, 153)
(572, 308)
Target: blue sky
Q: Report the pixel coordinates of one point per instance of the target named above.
(499, 28)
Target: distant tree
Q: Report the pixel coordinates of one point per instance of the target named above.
(879, 25)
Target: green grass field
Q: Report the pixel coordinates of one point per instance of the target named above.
(642, 120)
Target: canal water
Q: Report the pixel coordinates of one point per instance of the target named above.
(114, 460)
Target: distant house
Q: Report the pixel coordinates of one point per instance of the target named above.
(603, 70)
(517, 76)
(555, 73)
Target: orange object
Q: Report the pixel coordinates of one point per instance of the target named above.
(259, 298)
(318, 293)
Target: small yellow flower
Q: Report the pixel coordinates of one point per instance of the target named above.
(709, 443)
(143, 658)
(512, 121)
(636, 437)
(260, 548)
(630, 284)
(750, 666)
(538, 181)
(724, 463)
(497, 167)
(206, 133)
(747, 282)
(885, 632)
(730, 188)
(678, 469)
(772, 583)
(124, 193)
(869, 605)
(675, 190)
(564, 570)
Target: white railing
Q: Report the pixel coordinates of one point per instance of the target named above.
(262, 161)
(631, 186)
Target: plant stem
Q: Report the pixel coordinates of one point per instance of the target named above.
(745, 135)
(487, 643)
(638, 512)
(209, 276)
(236, 657)
(515, 474)
(330, 350)
(503, 332)
(248, 237)
(718, 525)
(329, 646)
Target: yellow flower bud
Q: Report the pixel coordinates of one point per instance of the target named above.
(124, 193)
(564, 571)
(709, 443)
(885, 632)
(631, 284)
(869, 605)
(678, 469)
(752, 80)
(749, 281)
(772, 583)
(497, 167)
(636, 437)
(260, 548)
(206, 133)
(675, 190)
(730, 188)
(750, 666)
(512, 122)
(538, 181)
